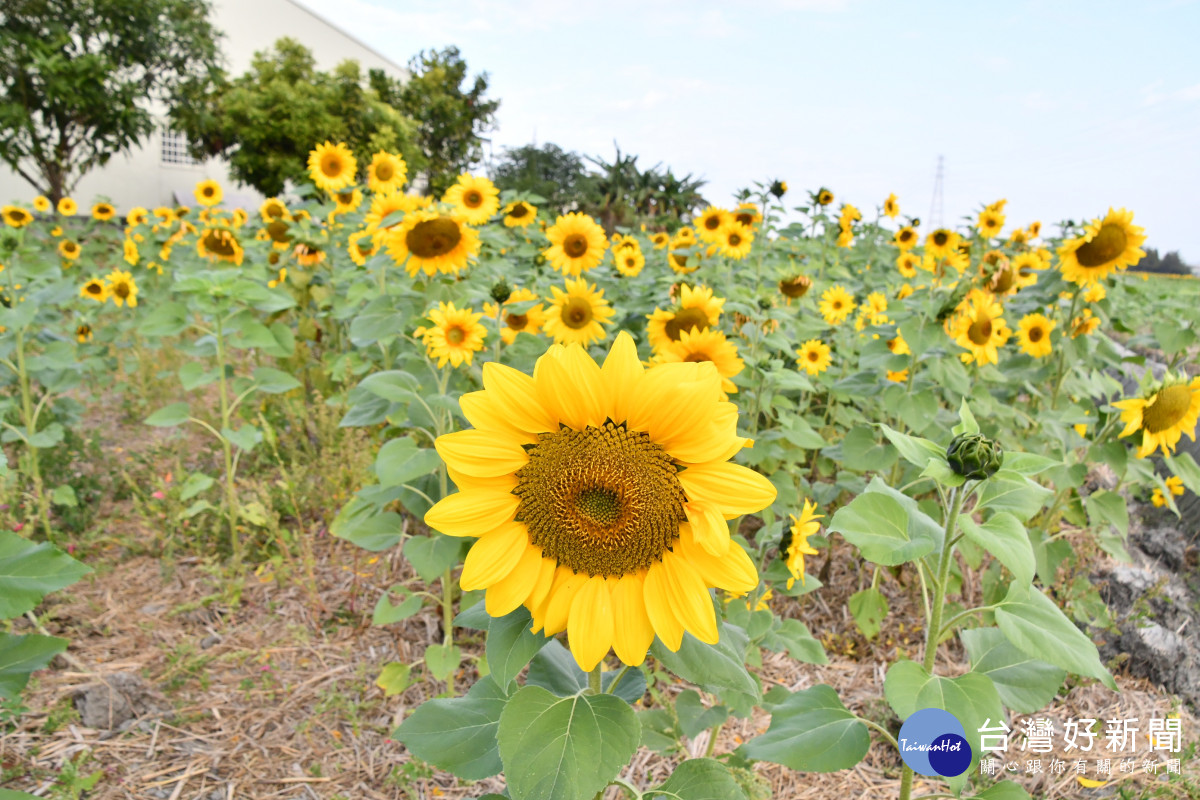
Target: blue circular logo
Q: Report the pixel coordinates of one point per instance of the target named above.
(933, 742)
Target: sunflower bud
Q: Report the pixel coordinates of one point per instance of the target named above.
(974, 456)
(778, 188)
(764, 303)
(501, 291)
(796, 286)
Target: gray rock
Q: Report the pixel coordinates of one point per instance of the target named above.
(116, 701)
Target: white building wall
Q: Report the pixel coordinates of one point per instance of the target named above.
(142, 178)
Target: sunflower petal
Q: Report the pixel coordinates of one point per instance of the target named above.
(690, 599)
(621, 375)
(632, 632)
(709, 527)
(557, 609)
(732, 488)
(734, 571)
(515, 397)
(569, 384)
(481, 453)
(471, 513)
(494, 556)
(508, 593)
(590, 623)
(485, 414)
(502, 483)
(659, 609)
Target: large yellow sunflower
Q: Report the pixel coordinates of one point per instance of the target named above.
(629, 261)
(577, 244)
(1108, 244)
(529, 321)
(736, 240)
(455, 335)
(69, 249)
(705, 345)
(386, 172)
(386, 204)
(361, 246)
(577, 316)
(1033, 335)
(519, 214)
(274, 209)
(208, 193)
(103, 212)
(433, 243)
(906, 238)
(979, 327)
(476, 200)
(795, 545)
(814, 357)
(989, 224)
(332, 167)
(1162, 416)
(600, 495)
(711, 223)
(15, 216)
(95, 289)
(941, 243)
(122, 288)
(698, 309)
(67, 207)
(219, 244)
(836, 305)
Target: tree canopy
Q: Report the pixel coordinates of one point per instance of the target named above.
(79, 79)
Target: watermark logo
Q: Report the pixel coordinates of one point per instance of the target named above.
(933, 742)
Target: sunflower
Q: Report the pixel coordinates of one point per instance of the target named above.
(387, 172)
(519, 214)
(529, 321)
(121, 288)
(698, 309)
(41, 204)
(454, 336)
(747, 214)
(1108, 244)
(685, 236)
(979, 328)
(279, 278)
(836, 305)
(274, 209)
(907, 264)
(103, 212)
(898, 345)
(845, 236)
(577, 244)
(904, 291)
(475, 199)
(1174, 486)
(814, 357)
(219, 244)
(308, 255)
(433, 243)
(208, 193)
(795, 287)
(348, 200)
(824, 197)
(684, 259)
(989, 224)
(1095, 293)
(705, 345)
(387, 204)
(361, 246)
(15, 216)
(130, 252)
(711, 222)
(137, 216)
(941, 243)
(1033, 335)
(891, 208)
(1025, 269)
(629, 261)
(67, 207)
(736, 240)
(778, 188)
(794, 546)
(69, 250)
(998, 274)
(601, 494)
(1018, 236)
(660, 240)
(332, 166)
(83, 333)
(1162, 416)
(95, 289)
(1035, 230)
(1085, 324)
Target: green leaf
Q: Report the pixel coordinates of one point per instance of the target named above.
(554, 668)
(193, 375)
(971, 698)
(394, 678)
(387, 614)
(564, 748)
(29, 571)
(1029, 463)
(510, 644)
(913, 449)
(966, 420)
(275, 381)
(49, 436)
(371, 532)
(432, 555)
(442, 659)
(939, 469)
(1105, 506)
(811, 731)
(401, 461)
(22, 655)
(393, 385)
(475, 618)
(1184, 466)
(1003, 536)
(64, 496)
(1032, 622)
(458, 734)
(902, 685)
(165, 319)
(793, 636)
(245, 437)
(194, 509)
(861, 453)
(1004, 790)
(1025, 684)
(699, 779)
(868, 608)
(719, 669)
(799, 433)
(886, 526)
(1013, 492)
(196, 483)
(694, 717)
(170, 416)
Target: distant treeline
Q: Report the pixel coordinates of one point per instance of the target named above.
(1170, 263)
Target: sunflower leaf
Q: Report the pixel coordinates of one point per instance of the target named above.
(458, 734)
(811, 731)
(699, 779)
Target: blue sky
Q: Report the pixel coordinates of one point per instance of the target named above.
(1065, 109)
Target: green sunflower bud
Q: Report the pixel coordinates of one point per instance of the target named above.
(501, 291)
(974, 456)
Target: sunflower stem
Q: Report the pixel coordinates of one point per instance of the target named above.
(231, 505)
(447, 607)
(1062, 351)
(595, 685)
(30, 420)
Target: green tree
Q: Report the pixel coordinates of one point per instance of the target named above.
(78, 79)
(556, 174)
(449, 119)
(267, 120)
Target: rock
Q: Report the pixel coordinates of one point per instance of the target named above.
(116, 701)
(1164, 657)
(209, 641)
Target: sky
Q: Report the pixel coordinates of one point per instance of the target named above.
(1063, 108)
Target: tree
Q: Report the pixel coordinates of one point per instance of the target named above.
(556, 174)
(1171, 263)
(79, 79)
(622, 194)
(449, 119)
(267, 120)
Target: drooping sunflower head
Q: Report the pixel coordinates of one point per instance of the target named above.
(814, 357)
(1085, 324)
(778, 189)
(795, 287)
(474, 199)
(1108, 244)
(1164, 414)
(387, 172)
(602, 533)
(519, 214)
(130, 252)
(332, 167)
(891, 206)
(577, 244)
(577, 316)
(308, 254)
(747, 214)
(432, 243)
(220, 244)
(208, 193)
(15, 216)
(1035, 230)
(736, 241)
(83, 333)
(103, 212)
(361, 246)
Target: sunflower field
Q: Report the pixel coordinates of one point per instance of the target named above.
(595, 489)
